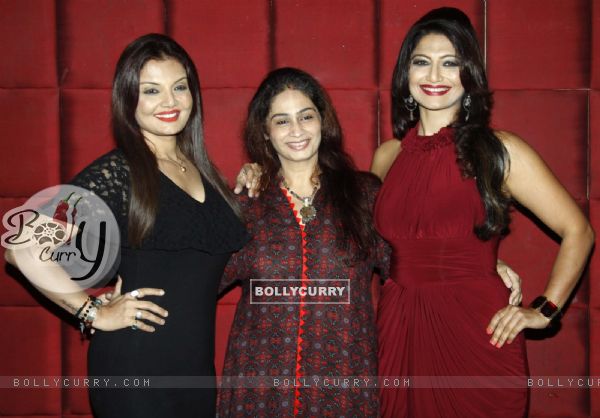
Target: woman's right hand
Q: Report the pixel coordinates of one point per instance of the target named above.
(122, 311)
(248, 177)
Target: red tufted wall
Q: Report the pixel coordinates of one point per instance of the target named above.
(55, 74)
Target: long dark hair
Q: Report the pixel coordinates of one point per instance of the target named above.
(339, 177)
(143, 199)
(480, 153)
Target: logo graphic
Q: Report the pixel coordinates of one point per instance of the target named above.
(63, 228)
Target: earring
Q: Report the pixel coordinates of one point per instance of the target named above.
(410, 105)
(467, 106)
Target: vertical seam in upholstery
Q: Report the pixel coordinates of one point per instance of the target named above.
(590, 36)
(166, 21)
(485, 33)
(57, 51)
(271, 40)
(377, 41)
(59, 90)
(59, 79)
(589, 109)
(588, 143)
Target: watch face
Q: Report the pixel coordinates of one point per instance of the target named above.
(537, 302)
(549, 309)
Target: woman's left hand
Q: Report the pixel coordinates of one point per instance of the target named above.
(511, 280)
(511, 320)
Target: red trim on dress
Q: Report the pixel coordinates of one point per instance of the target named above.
(302, 309)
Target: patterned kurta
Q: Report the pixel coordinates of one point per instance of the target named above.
(300, 339)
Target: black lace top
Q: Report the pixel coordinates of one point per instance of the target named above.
(181, 222)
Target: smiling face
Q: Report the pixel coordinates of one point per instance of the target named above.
(165, 101)
(434, 75)
(293, 126)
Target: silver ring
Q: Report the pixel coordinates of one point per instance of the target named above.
(138, 315)
(134, 326)
(135, 293)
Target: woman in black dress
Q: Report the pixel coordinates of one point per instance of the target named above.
(179, 225)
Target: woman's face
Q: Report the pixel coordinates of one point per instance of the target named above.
(434, 75)
(294, 127)
(165, 101)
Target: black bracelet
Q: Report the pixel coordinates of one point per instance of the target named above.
(547, 308)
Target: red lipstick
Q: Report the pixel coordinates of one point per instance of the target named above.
(431, 90)
(168, 115)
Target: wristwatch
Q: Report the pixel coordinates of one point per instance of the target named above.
(547, 308)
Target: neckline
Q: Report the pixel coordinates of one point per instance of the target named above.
(189, 196)
(440, 139)
(443, 131)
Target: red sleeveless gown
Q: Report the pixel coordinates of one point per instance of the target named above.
(442, 293)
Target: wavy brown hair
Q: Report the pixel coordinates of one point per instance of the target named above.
(481, 155)
(338, 175)
(143, 199)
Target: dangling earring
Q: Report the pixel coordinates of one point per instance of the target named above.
(467, 106)
(410, 105)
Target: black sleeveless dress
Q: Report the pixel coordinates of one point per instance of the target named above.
(185, 255)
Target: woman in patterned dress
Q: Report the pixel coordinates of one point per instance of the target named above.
(312, 222)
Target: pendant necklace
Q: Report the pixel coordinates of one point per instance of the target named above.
(182, 167)
(308, 211)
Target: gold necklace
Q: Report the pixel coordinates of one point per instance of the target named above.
(308, 211)
(182, 167)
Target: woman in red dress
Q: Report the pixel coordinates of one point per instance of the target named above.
(449, 182)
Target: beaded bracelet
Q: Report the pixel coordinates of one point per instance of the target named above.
(90, 314)
(81, 308)
(85, 312)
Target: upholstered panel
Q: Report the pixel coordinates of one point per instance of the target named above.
(31, 63)
(333, 39)
(92, 34)
(527, 40)
(30, 140)
(225, 113)
(82, 134)
(33, 349)
(228, 41)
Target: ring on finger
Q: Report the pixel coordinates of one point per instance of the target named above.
(138, 315)
(134, 326)
(135, 293)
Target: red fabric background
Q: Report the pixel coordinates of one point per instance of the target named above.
(58, 59)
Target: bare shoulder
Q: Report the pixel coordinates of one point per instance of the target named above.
(526, 165)
(513, 143)
(384, 157)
